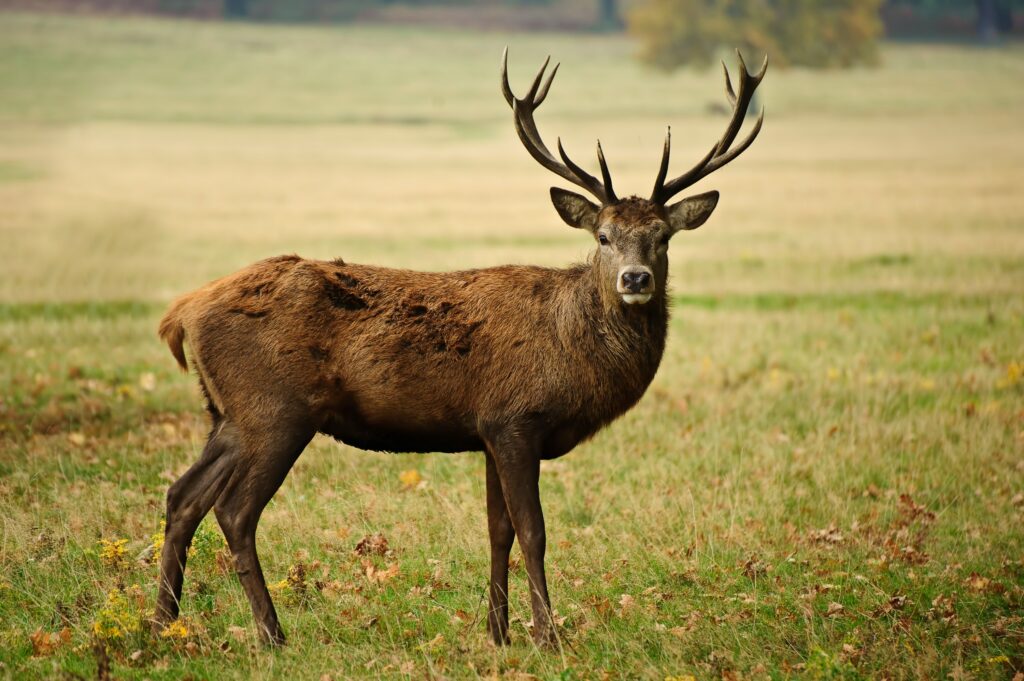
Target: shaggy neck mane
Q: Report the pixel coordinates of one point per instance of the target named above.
(625, 340)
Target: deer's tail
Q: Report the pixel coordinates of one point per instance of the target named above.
(172, 331)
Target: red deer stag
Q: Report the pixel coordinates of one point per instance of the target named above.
(522, 363)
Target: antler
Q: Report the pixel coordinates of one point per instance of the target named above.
(720, 154)
(526, 128)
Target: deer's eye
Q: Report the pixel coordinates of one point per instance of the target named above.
(602, 239)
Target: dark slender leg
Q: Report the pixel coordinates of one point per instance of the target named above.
(518, 467)
(188, 500)
(262, 469)
(502, 534)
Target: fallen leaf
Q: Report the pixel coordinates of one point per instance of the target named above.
(380, 576)
(978, 583)
(372, 544)
(754, 568)
(829, 535)
(834, 609)
(44, 643)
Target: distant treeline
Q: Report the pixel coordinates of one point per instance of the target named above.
(907, 18)
(901, 18)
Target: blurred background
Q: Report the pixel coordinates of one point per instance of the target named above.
(149, 146)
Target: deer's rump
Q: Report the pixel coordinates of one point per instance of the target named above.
(378, 358)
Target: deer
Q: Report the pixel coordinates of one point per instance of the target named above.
(519, 362)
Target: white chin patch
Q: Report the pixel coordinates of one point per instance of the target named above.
(635, 298)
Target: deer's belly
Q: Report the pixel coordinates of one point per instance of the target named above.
(389, 434)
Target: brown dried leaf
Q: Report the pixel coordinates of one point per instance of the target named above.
(753, 568)
(829, 535)
(372, 545)
(380, 576)
(44, 643)
(913, 510)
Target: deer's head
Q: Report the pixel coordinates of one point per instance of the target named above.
(632, 233)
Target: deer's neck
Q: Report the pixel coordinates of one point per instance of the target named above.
(621, 344)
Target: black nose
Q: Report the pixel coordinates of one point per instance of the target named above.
(635, 282)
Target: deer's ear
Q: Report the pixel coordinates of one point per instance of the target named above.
(575, 210)
(692, 212)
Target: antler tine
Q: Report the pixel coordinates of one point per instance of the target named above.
(542, 95)
(728, 85)
(721, 153)
(719, 161)
(605, 174)
(659, 181)
(535, 86)
(526, 128)
(506, 89)
(586, 180)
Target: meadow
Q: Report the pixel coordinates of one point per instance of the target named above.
(825, 480)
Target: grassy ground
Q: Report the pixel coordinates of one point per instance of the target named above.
(826, 478)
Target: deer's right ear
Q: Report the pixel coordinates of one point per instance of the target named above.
(575, 210)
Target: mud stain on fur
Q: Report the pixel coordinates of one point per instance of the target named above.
(438, 327)
(342, 297)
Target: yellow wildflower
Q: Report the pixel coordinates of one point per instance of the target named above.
(175, 630)
(116, 618)
(1014, 373)
(410, 478)
(113, 553)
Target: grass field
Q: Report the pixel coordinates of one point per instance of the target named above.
(826, 478)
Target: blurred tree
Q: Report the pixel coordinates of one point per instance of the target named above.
(608, 15)
(236, 9)
(303, 11)
(925, 17)
(994, 17)
(817, 33)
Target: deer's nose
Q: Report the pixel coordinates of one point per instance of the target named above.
(636, 282)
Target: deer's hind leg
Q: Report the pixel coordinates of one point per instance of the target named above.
(264, 461)
(189, 499)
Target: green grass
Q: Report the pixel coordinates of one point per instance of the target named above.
(824, 480)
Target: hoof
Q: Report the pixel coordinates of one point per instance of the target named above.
(272, 639)
(546, 639)
(157, 626)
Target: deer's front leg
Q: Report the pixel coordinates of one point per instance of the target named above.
(518, 467)
(502, 534)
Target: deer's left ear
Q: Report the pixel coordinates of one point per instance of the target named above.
(692, 212)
